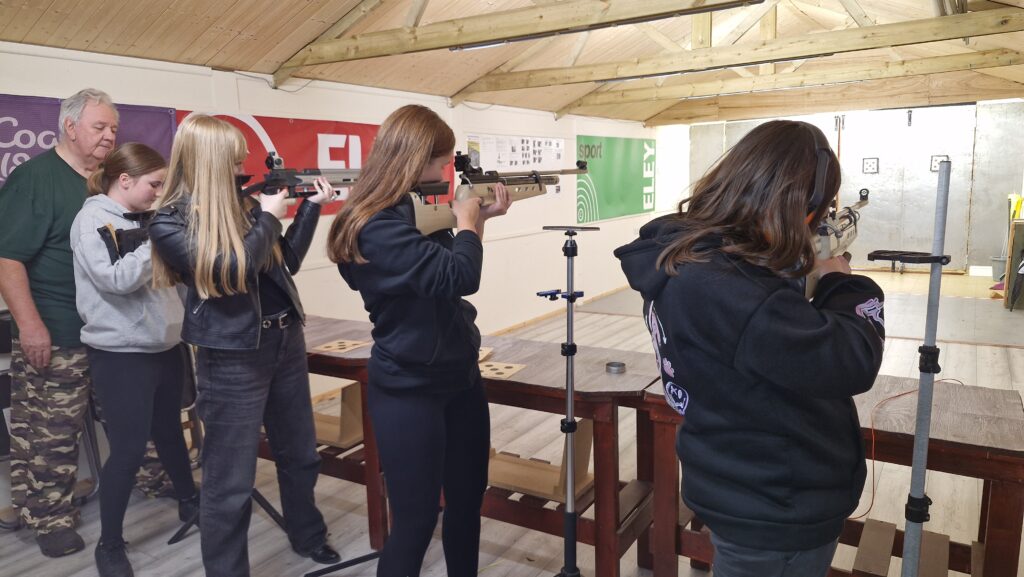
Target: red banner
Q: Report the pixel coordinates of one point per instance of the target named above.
(302, 144)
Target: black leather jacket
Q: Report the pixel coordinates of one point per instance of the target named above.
(233, 322)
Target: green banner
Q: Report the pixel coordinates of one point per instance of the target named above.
(620, 177)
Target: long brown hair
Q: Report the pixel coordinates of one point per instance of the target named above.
(410, 137)
(757, 199)
(132, 158)
(201, 175)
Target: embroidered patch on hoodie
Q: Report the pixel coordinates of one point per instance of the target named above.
(871, 310)
(675, 396)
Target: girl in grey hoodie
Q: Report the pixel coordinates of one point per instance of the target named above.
(133, 337)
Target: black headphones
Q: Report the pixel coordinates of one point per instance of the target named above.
(823, 151)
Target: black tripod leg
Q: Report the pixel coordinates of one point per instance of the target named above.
(183, 531)
(266, 506)
(343, 565)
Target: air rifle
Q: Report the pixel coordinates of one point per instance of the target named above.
(298, 183)
(430, 217)
(474, 182)
(835, 234)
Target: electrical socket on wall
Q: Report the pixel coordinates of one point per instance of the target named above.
(936, 159)
(870, 166)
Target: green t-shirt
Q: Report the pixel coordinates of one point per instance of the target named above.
(38, 203)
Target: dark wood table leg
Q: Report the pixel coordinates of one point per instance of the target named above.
(376, 500)
(666, 500)
(606, 487)
(1003, 528)
(645, 472)
(986, 494)
(696, 525)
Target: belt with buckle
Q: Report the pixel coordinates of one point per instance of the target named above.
(279, 321)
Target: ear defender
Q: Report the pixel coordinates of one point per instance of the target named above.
(822, 152)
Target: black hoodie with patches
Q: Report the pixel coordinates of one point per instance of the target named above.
(770, 443)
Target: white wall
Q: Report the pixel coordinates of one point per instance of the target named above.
(519, 259)
(983, 142)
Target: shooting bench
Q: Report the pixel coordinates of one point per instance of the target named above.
(976, 432)
(622, 510)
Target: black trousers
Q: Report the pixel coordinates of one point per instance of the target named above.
(429, 442)
(140, 394)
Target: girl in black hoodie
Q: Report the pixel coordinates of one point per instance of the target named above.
(426, 400)
(771, 442)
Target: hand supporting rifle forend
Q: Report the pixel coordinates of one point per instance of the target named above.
(474, 182)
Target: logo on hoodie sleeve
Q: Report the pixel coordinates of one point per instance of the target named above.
(675, 396)
(873, 311)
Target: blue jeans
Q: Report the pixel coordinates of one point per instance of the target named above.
(239, 390)
(732, 560)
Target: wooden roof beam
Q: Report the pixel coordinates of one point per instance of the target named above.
(769, 32)
(751, 16)
(808, 46)
(854, 9)
(833, 75)
(416, 10)
(496, 27)
(906, 92)
(508, 66)
(339, 28)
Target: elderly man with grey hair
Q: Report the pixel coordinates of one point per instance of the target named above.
(50, 383)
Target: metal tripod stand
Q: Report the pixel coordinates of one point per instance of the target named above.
(917, 502)
(568, 424)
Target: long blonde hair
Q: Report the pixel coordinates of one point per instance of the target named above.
(201, 176)
(410, 137)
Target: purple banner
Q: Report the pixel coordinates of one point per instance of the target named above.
(28, 126)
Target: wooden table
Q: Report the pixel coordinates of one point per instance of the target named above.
(622, 511)
(976, 432)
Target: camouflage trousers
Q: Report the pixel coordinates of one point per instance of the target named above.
(47, 415)
(48, 412)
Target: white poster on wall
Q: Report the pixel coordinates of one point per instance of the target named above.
(516, 153)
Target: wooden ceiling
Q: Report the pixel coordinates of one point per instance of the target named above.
(623, 59)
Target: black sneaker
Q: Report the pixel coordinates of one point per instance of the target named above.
(60, 542)
(188, 509)
(112, 560)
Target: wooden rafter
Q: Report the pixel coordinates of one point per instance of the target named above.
(833, 75)
(652, 32)
(769, 32)
(578, 46)
(905, 92)
(523, 23)
(415, 14)
(751, 16)
(812, 45)
(700, 36)
(854, 9)
(350, 19)
(508, 66)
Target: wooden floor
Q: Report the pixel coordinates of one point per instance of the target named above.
(507, 550)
